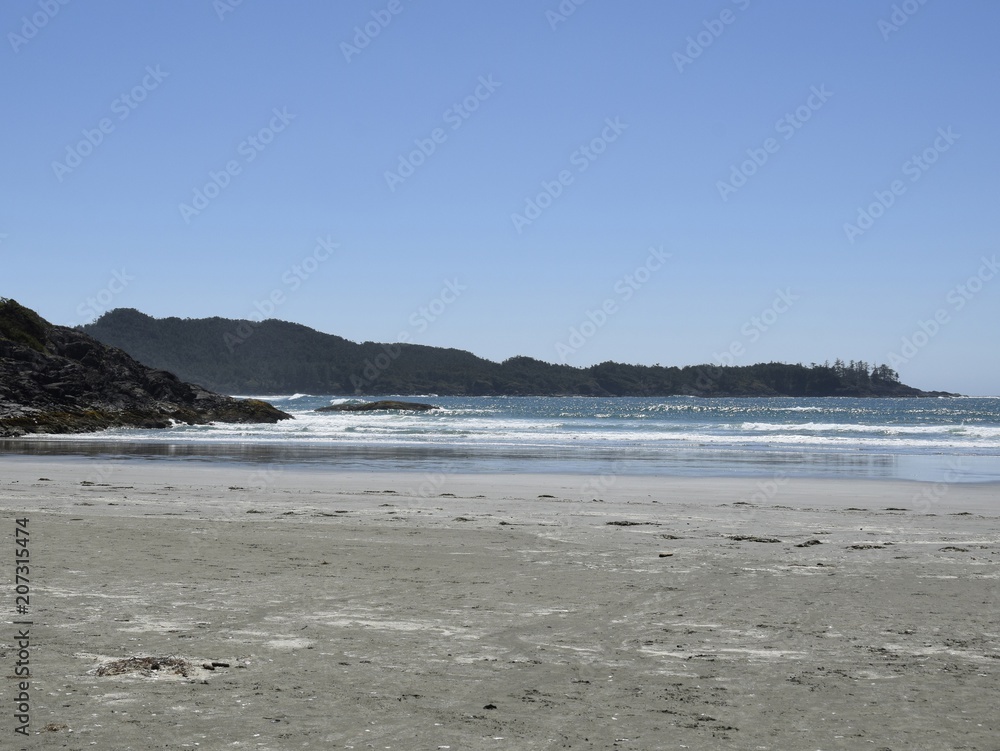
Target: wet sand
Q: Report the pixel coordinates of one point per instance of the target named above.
(408, 612)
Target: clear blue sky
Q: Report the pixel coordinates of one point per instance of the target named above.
(181, 88)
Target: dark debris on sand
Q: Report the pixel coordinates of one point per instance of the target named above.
(146, 666)
(809, 543)
(752, 538)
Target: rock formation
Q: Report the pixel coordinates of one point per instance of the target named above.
(383, 404)
(57, 380)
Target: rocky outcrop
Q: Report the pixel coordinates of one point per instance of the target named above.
(58, 380)
(383, 404)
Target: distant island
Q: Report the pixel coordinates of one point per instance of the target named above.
(57, 380)
(277, 357)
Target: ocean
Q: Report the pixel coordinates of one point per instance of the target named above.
(935, 440)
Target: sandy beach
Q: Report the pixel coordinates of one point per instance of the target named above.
(407, 611)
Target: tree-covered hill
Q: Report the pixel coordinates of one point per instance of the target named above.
(277, 357)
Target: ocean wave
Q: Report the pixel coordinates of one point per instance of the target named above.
(976, 431)
(618, 425)
(360, 436)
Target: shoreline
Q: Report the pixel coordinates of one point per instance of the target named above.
(694, 461)
(420, 483)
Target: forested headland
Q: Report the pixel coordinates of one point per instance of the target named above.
(278, 357)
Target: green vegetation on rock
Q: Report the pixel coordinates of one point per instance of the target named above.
(21, 325)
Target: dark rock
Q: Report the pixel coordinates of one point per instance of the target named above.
(809, 543)
(372, 406)
(57, 380)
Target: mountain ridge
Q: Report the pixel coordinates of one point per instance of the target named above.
(272, 356)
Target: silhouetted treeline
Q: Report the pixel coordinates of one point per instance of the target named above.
(276, 357)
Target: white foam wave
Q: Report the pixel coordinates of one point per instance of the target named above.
(604, 424)
(972, 431)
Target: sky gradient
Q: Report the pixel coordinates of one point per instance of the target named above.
(646, 182)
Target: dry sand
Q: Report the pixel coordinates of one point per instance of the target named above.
(397, 611)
